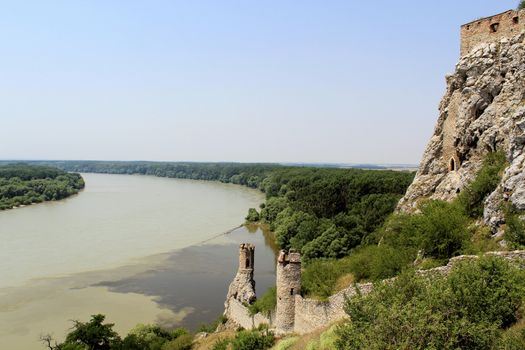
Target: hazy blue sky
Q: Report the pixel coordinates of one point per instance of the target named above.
(301, 81)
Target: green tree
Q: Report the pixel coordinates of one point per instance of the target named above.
(253, 215)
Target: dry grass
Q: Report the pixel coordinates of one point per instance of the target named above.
(208, 342)
(343, 282)
(317, 340)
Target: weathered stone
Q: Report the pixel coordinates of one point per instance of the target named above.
(482, 111)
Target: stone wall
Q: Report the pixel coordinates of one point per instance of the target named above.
(238, 313)
(491, 29)
(311, 314)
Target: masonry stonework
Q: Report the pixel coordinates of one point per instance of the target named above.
(288, 286)
(491, 29)
(242, 287)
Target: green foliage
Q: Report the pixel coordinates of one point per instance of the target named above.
(322, 212)
(515, 226)
(22, 184)
(211, 327)
(486, 181)
(440, 230)
(96, 335)
(319, 277)
(265, 304)
(466, 310)
(253, 215)
(247, 340)
(379, 262)
(521, 5)
(285, 344)
(253, 340)
(183, 342)
(221, 344)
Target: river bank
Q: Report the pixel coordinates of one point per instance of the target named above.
(89, 254)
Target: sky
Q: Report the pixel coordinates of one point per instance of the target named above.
(331, 81)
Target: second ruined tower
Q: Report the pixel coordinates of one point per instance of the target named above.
(288, 286)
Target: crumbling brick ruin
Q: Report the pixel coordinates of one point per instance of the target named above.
(491, 29)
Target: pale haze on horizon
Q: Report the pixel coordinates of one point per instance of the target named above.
(247, 81)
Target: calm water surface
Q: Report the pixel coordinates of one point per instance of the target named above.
(139, 249)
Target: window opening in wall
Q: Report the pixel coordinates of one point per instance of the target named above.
(515, 20)
(291, 291)
(468, 27)
(494, 27)
(452, 165)
(247, 263)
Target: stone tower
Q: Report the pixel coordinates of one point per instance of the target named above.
(242, 287)
(288, 286)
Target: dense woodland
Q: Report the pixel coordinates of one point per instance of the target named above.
(22, 184)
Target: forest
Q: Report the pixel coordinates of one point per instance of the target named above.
(322, 212)
(23, 184)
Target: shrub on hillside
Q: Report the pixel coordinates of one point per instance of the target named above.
(472, 197)
(253, 340)
(515, 226)
(469, 309)
(265, 304)
(440, 230)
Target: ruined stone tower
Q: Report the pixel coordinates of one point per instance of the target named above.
(288, 286)
(242, 287)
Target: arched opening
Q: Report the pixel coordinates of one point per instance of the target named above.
(494, 27)
(247, 263)
(291, 291)
(452, 165)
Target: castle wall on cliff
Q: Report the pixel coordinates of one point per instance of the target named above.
(491, 29)
(482, 111)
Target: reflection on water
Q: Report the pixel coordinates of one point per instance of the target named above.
(199, 276)
(101, 252)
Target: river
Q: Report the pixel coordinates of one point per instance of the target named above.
(139, 249)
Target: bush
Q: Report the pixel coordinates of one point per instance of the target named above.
(252, 340)
(253, 215)
(221, 344)
(515, 226)
(183, 342)
(379, 262)
(466, 310)
(521, 5)
(265, 304)
(211, 327)
(486, 181)
(440, 230)
(319, 277)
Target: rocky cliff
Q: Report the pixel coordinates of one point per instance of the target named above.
(482, 111)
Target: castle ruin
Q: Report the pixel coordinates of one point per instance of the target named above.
(242, 287)
(491, 29)
(288, 283)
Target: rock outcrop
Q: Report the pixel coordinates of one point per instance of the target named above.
(242, 287)
(482, 111)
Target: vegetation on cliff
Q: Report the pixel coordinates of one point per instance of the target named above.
(477, 306)
(439, 231)
(22, 184)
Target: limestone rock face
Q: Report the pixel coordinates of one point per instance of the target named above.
(483, 110)
(242, 287)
